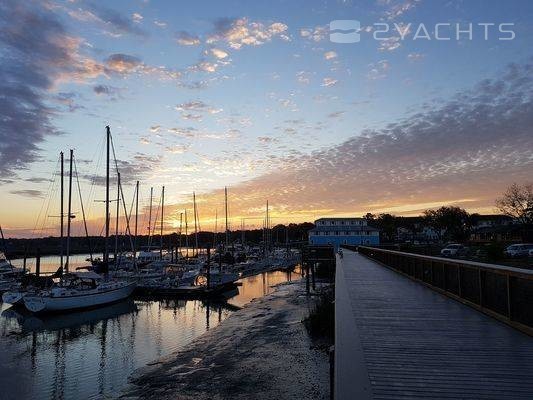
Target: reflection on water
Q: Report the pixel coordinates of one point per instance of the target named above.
(91, 354)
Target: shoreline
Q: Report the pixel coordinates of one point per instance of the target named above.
(262, 351)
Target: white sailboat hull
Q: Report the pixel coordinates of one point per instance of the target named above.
(93, 298)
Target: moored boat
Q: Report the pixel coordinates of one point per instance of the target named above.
(79, 290)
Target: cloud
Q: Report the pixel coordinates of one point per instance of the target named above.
(267, 139)
(191, 117)
(188, 132)
(116, 23)
(204, 66)
(240, 32)
(316, 34)
(37, 180)
(177, 148)
(138, 167)
(464, 151)
(328, 82)
(398, 8)
(415, 57)
(378, 70)
(184, 38)
(389, 44)
(160, 24)
(68, 99)
(336, 114)
(35, 51)
(137, 17)
(220, 54)
(107, 90)
(125, 64)
(330, 55)
(28, 193)
(303, 77)
(197, 106)
(155, 128)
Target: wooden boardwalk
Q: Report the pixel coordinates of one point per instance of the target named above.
(397, 339)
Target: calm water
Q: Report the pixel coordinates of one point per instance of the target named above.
(91, 354)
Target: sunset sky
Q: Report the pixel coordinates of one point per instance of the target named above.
(254, 96)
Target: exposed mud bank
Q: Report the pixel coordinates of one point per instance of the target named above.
(261, 352)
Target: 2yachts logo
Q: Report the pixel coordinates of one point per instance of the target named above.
(348, 31)
(344, 31)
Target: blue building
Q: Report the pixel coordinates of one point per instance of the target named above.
(337, 231)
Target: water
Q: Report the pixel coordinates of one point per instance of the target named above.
(91, 354)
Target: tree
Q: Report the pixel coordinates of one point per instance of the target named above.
(517, 202)
(369, 218)
(389, 225)
(451, 223)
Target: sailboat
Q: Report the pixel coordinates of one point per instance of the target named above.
(80, 289)
(8, 273)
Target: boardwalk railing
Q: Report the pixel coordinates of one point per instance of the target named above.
(505, 293)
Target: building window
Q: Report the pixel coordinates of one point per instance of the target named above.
(342, 222)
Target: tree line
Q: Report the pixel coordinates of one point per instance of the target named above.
(452, 223)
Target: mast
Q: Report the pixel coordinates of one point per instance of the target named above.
(226, 212)
(162, 215)
(136, 221)
(186, 235)
(69, 208)
(106, 248)
(179, 238)
(116, 222)
(150, 218)
(83, 212)
(242, 232)
(267, 230)
(216, 230)
(195, 223)
(62, 212)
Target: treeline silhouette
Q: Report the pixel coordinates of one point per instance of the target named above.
(18, 248)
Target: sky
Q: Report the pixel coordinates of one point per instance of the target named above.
(431, 106)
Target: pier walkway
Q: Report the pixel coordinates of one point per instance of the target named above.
(398, 339)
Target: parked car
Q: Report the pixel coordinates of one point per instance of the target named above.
(531, 253)
(518, 250)
(454, 250)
